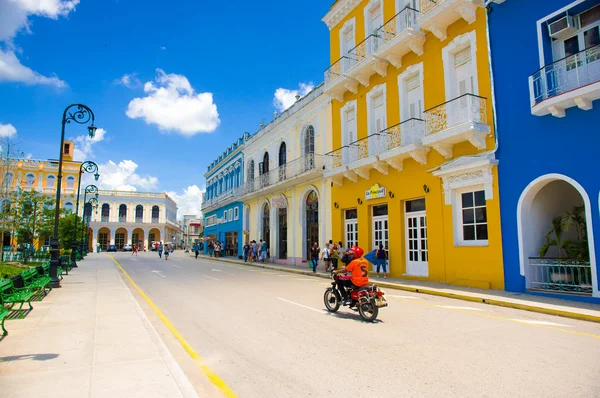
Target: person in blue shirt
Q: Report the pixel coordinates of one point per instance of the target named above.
(381, 257)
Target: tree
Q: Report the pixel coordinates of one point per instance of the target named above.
(8, 152)
(34, 214)
(66, 226)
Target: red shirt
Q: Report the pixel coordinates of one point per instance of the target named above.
(359, 269)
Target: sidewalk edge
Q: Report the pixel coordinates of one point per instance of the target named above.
(464, 297)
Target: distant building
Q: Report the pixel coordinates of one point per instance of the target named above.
(132, 217)
(193, 229)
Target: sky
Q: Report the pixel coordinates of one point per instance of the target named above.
(171, 84)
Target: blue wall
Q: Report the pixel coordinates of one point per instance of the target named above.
(532, 146)
(220, 230)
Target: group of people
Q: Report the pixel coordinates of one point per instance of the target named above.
(256, 251)
(165, 249)
(334, 253)
(214, 248)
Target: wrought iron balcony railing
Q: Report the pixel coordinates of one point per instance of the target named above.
(464, 109)
(566, 74)
(366, 47)
(336, 158)
(287, 172)
(337, 69)
(561, 275)
(408, 132)
(368, 146)
(428, 5)
(407, 18)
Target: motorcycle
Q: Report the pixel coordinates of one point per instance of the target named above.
(366, 299)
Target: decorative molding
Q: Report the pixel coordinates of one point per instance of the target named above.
(339, 11)
(466, 175)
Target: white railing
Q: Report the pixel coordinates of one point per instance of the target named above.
(561, 275)
(222, 197)
(567, 74)
(464, 109)
(428, 5)
(287, 172)
(102, 192)
(410, 131)
(338, 68)
(366, 47)
(336, 158)
(366, 147)
(407, 18)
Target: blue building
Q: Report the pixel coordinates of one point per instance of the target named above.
(546, 69)
(220, 206)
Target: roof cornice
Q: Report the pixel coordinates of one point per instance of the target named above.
(339, 11)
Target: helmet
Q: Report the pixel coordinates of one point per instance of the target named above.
(357, 251)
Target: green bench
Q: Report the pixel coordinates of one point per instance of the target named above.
(36, 282)
(3, 314)
(10, 295)
(66, 265)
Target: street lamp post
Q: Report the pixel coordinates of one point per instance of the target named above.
(89, 189)
(86, 167)
(80, 114)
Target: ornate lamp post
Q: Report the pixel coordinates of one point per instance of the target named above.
(92, 189)
(80, 114)
(86, 167)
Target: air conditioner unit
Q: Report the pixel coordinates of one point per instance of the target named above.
(564, 27)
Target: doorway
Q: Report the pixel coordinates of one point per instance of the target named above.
(351, 228)
(380, 228)
(282, 234)
(266, 229)
(417, 254)
(312, 221)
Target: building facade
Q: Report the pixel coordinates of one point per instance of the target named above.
(286, 200)
(128, 217)
(413, 165)
(221, 207)
(41, 175)
(546, 89)
(192, 230)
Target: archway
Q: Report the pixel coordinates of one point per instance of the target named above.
(266, 224)
(120, 238)
(104, 238)
(137, 238)
(282, 227)
(311, 206)
(556, 242)
(153, 236)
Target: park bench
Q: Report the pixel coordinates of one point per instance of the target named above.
(3, 314)
(36, 282)
(10, 295)
(65, 266)
(46, 269)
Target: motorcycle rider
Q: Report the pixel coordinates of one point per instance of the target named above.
(358, 267)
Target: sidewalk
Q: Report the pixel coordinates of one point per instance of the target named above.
(89, 338)
(528, 302)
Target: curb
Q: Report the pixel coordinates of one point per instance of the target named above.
(464, 297)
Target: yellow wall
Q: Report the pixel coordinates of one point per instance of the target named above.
(470, 266)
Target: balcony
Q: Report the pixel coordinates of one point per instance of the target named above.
(363, 63)
(336, 80)
(104, 219)
(298, 171)
(437, 15)
(122, 218)
(566, 83)
(224, 197)
(399, 36)
(404, 141)
(155, 220)
(458, 120)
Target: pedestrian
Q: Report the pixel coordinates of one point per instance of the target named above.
(98, 248)
(160, 250)
(196, 250)
(263, 250)
(254, 250)
(335, 256)
(246, 251)
(314, 256)
(135, 250)
(166, 252)
(217, 249)
(211, 248)
(326, 256)
(381, 258)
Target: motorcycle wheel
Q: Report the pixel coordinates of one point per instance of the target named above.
(332, 300)
(368, 311)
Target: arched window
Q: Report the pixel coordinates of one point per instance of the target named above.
(266, 221)
(263, 169)
(87, 212)
(155, 214)
(265, 163)
(29, 179)
(50, 180)
(68, 206)
(139, 213)
(282, 154)
(123, 213)
(250, 171)
(105, 215)
(308, 146)
(70, 182)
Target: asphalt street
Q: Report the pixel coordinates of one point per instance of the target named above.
(267, 334)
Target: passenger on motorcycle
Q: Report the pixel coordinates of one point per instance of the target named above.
(359, 269)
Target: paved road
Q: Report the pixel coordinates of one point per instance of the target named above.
(266, 334)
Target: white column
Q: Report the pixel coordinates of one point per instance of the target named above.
(41, 180)
(112, 236)
(94, 239)
(129, 236)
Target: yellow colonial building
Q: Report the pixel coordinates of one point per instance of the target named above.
(287, 201)
(41, 175)
(413, 163)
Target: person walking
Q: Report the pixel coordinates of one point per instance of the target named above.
(254, 250)
(263, 251)
(246, 251)
(314, 256)
(135, 250)
(326, 256)
(166, 252)
(381, 256)
(196, 250)
(160, 250)
(211, 248)
(335, 256)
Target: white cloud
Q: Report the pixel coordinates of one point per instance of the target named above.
(189, 201)
(11, 70)
(285, 98)
(129, 80)
(122, 177)
(7, 130)
(173, 105)
(84, 145)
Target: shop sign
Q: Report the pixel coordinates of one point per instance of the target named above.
(279, 202)
(375, 192)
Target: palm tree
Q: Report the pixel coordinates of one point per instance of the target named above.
(575, 218)
(557, 230)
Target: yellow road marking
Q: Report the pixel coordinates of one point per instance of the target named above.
(212, 376)
(522, 322)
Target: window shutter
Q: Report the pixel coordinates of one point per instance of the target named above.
(412, 83)
(462, 57)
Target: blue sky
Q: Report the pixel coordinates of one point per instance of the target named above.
(171, 84)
